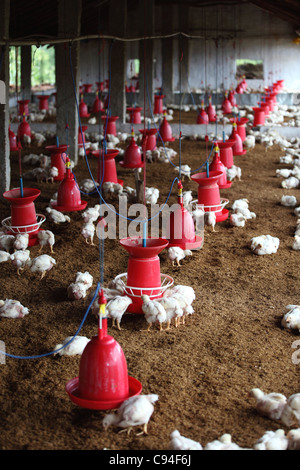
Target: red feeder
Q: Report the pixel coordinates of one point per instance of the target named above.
(43, 104)
(226, 105)
(97, 105)
(135, 115)
(158, 104)
(209, 194)
(23, 107)
(12, 140)
(211, 112)
(202, 117)
(23, 215)
(241, 127)
(24, 129)
(182, 227)
(240, 89)
(110, 171)
(149, 136)
(110, 125)
(100, 86)
(103, 382)
(237, 147)
(165, 131)
(259, 117)
(81, 137)
(83, 109)
(58, 159)
(87, 87)
(226, 152)
(265, 107)
(231, 98)
(143, 275)
(132, 155)
(217, 166)
(270, 103)
(68, 195)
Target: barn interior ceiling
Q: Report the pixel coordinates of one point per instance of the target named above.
(35, 21)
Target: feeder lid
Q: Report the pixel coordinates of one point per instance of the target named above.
(43, 97)
(54, 149)
(110, 118)
(202, 179)
(228, 143)
(132, 108)
(110, 153)
(29, 194)
(134, 246)
(148, 131)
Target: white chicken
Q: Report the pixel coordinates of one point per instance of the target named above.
(272, 440)
(270, 405)
(290, 183)
(294, 439)
(151, 195)
(185, 304)
(288, 201)
(291, 320)
(41, 264)
(210, 219)
(88, 232)
(187, 292)
(21, 241)
(173, 310)
(249, 142)
(85, 278)
(179, 442)
(56, 216)
(135, 411)
(176, 254)
(283, 173)
(87, 185)
(116, 308)
(237, 220)
(76, 291)
(264, 245)
(223, 443)
(233, 172)
(91, 214)
(291, 413)
(12, 309)
(46, 238)
(185, 171)
(240, 204)
(20, 259)
(187, 197)
(245, 212)
(71, 346)
(154, 312)
(7, 242)
(4, 256)
(296, 243)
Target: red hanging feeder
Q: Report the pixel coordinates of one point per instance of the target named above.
(211, 112)
(226, 105)
(87, 87)
(109, 170)
(24, 129)
(202, 116)
(218, 166)
(81, 136)
(259, 117)
(209, 194)
(109, 126)
(149, 138)
(165, 131)
(12, 140)
(135, 115)
(132, 155)
(103, 382)
(143, 275)
(241, 126)
(68, 195)
(83, 109)
(182, 227)
(231, 98)
(100, 86)
(23, 107)
(23, 215)
(226, 152)
(158, 104)
(98, 106)
(265, 107)
(58, 159)
(43, 102)
(237, 147)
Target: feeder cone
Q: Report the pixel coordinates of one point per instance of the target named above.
(182, 227)
(270, 103)
(83, 109)
(100, 86)
(265, 107)
(68, 195)
(23, 214)
(103, 382)
(240, 127)
(226, 153)
(135, 115)
(107, 172)
(211, 112)
(12, 140)
(23, 107)
(202, 117)
(97, 105)
(209, 193)
(244, 83)
(158, 104)
(165, 131)
(217, 165)
(81, 137)
(231, 98)
(259, 117)
(143, 272)
(132, 155)
(226, 105)
(43, 102)
(239, 89)
(149, 138)
(58, 159)
(87, 87)
(109, 126)
(24, 129)
(237, 147)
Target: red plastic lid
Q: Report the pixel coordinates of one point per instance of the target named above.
(134, 246)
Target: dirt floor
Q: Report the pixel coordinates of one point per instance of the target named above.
(202, 371)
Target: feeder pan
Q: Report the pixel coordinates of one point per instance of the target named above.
(237, 147)
(158, 104)
(110, 171)
(211, 112)
(23, 215)
(23, 107)
(216, 166)
(209, 194)
(226, 106)
(97, 106)
(149, 136)
(81, 139)
(259, 117)
(132, 156)
(226, 153)
(83, 109)
(43, 102)
(87, 87)
(103, 382)
(110, 125)
(202, 117)
(12, 140)
(165, 131)
(241, 127)
(24, 129)
(68, 195)
(58, 160)
(135, 115)
(143, 275)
